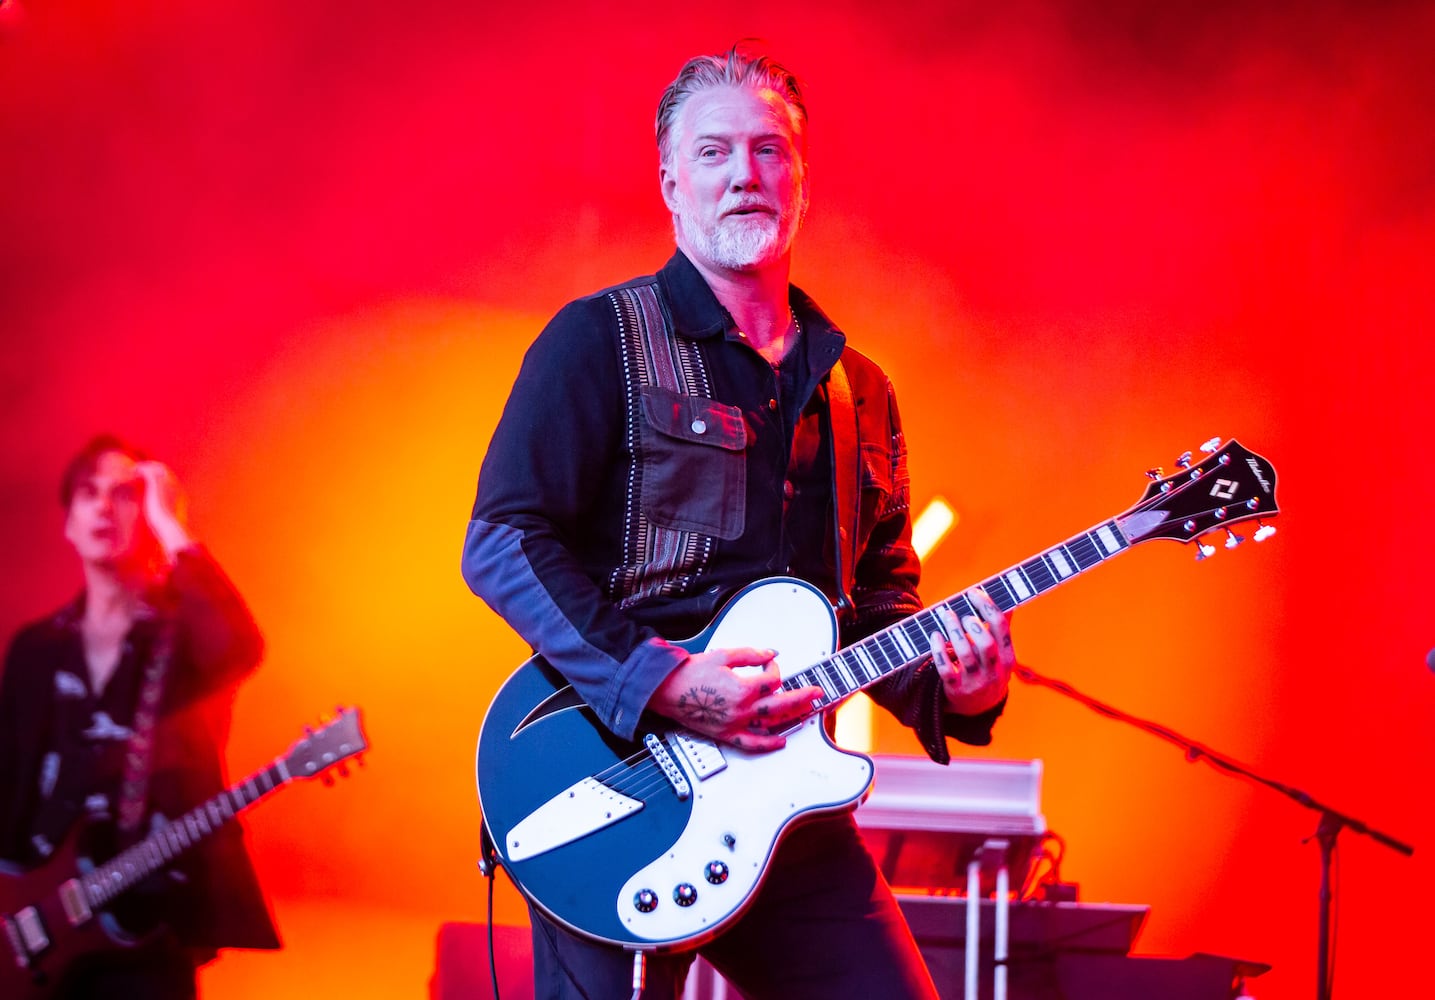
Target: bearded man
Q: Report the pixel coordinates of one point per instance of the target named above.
(669, 441)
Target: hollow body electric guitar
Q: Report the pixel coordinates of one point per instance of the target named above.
(658, 843)
(55, 915)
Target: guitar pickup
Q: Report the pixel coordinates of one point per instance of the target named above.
(73, 901)
(26, 931)
(702, 754)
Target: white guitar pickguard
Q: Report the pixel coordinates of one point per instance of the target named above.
(574, 812)
(742, 801)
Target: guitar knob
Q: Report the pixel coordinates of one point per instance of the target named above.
(1154, 473)
(685, 895)
(716, 872)
(646, 901)
(1185, 460)
(1204, 551)
(1233, 539)
(1263, 532)
(1211, 445)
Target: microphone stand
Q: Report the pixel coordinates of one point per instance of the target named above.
(1331, 822)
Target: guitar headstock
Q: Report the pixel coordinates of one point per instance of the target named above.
(1230, 485)
(328, 745)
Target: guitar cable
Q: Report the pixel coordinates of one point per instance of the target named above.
(488, 865)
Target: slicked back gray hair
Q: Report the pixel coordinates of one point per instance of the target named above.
(738, 67)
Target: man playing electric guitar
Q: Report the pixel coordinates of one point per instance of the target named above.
(116, 706)
(675, 438)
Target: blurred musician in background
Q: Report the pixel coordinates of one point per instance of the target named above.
(114, 709)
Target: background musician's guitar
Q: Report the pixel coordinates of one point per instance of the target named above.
(55, 915)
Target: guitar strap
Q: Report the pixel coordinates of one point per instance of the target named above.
(846, 463)
(134, 788)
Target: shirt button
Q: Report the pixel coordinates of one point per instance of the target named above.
(772, 405)
(699, 426)
(788, 490)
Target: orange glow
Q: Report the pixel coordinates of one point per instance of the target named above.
(298, 251)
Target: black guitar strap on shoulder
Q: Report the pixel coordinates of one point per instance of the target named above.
(846, 463)
(134, 789)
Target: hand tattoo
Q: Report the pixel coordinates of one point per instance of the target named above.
(703, 705)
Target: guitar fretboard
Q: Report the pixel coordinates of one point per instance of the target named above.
(143, 859)
(865, 662)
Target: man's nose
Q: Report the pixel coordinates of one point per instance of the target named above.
(744, 170)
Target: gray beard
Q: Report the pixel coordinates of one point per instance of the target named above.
(740, 245)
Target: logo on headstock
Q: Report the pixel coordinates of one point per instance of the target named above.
(1260, 477)
(1224, 489)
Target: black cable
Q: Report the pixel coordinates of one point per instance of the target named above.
(492, 959)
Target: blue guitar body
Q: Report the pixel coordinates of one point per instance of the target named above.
(603, 840)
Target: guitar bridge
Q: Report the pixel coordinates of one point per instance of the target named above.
(670, 767)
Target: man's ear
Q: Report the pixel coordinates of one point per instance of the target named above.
(667, 184)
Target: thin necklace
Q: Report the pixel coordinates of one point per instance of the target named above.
(796, 337)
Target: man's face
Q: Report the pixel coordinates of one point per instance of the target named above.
(735, 180)
(104, 522)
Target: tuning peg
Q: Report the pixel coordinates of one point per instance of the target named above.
(1233, 539)
(1185, 460)
(1155, 473)
(1263, 532)
(1211, 445)
(1204, 550)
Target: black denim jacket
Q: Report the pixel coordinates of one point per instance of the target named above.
(550, 521)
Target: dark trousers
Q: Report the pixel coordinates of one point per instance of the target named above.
(824, 925)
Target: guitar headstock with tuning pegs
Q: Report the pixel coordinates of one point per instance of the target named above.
(1230, 485)
(326, 746)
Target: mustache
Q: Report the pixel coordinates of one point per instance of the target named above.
(749, 205)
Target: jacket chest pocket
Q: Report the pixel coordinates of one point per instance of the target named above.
(693, 463)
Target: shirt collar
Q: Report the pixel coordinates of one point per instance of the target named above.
(697, 314)
(73, 614)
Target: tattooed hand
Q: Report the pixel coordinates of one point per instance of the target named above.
(975, 658)
(747, 709)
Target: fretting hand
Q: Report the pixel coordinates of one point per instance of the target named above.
(975, 664)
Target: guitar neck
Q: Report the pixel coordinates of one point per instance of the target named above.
(107, 881)
(883, 653)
